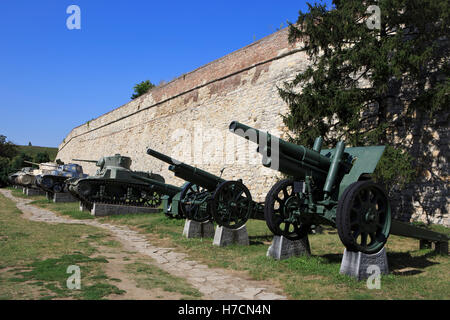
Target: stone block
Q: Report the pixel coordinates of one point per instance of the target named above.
(33, 192)
(63, 197)
(356, 264)
(102, 210)
(224, 236)
(194, 229)
(283, 248)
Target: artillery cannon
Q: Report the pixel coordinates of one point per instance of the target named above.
(114, 183)
(207, 196)
(171, 196)
(330, 186)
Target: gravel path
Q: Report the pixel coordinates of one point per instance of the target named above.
(213, 283)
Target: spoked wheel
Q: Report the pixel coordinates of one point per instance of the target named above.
(363, 217)
(190, 208)
(280, 204)
(57, 188)
(152, 200)
(232, 204)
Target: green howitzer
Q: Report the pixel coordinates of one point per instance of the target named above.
(207, 196)
(329, 186)
(171, 195)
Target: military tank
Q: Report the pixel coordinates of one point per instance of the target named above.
(114, 183)
(27, 178)
(54, 181)
(12, 178)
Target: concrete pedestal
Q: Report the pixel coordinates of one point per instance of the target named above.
(63, 197)
(282, 248)
(49, 196)
(85, 207)
(33, 192)
(102, 210)
(360, 265)
(224, 236)
(194, 229)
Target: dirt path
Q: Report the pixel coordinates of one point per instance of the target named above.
(213, 283)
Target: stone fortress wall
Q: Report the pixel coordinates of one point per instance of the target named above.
(188, 118)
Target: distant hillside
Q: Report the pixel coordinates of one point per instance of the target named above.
(32, 151)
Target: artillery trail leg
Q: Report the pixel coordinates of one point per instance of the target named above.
(283, 248)
(194, 229)
(361, 266)
(224, 236)
(441, 247)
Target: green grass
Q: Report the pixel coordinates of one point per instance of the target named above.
(32, 151)
(415, 274)
(34, 257)
(69, 209)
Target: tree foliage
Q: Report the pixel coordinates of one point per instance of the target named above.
(7, 151)
(365, 85)
(41, 157)
(142, 88)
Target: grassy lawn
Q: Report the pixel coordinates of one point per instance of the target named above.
(415, 274)
(35, 256)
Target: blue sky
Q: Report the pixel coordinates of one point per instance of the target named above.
(53, 79)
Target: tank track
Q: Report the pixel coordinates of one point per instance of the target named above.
(122, 199)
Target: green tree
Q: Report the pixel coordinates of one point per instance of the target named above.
(41, 157)
(142, 88)
(7, 151)
(7, 148)
(18, 161)
(366, 84)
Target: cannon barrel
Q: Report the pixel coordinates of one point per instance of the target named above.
(159, 186)
(186, 172)
(81, 160)
(310, 157)
(36, 164)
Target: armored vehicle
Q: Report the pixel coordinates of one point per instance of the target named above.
(114, 183)
(27, 179)
(54, 181)
(12, 178)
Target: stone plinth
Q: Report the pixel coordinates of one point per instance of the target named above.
(224, 236)
(194, 229)
(33, 192)
(63, 197)
(102, 210)
(283, 248)
(361, 265)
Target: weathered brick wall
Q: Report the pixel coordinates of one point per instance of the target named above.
(188, 118)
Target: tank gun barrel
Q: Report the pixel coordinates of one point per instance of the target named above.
(158, 186)
(36, 164)
(82, 160)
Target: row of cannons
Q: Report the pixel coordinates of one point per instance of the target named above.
(325, 187)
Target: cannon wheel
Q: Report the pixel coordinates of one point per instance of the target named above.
(363, 217)
(194, 212)
(232, 204)
(280, 201)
